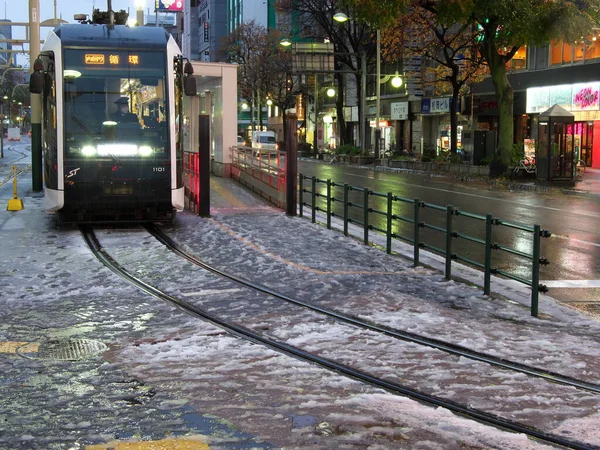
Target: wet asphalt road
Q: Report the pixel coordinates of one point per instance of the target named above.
(573, 249)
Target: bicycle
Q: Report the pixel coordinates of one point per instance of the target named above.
(526, 165)
(580, 167)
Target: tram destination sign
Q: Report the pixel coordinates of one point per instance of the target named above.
(101, 59)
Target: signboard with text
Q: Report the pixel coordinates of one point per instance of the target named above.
(168, 5)
(440, 105)
(399, 111)
(572, 97)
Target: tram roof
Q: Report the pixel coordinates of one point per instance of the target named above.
(94, 35)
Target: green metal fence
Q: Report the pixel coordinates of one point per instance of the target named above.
(365, 215)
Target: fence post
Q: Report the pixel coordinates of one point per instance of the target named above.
(314, 199)
(366, 215)
(291, 164)
(416, 232)
(204, 170)
(535, 271)
(488, 254)
(390, 198)
(328, 204)
(346, 207)
(301, 187)
(449, 212)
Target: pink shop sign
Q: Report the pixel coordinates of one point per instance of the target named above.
(586, 96)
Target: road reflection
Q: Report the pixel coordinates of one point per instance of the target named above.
(573, 251)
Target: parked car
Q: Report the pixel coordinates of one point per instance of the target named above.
(240, 141)
(264, 142)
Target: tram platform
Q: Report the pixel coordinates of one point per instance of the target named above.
(90, 362)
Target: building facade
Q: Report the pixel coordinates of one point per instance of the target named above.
(5, 34)
(567, 74)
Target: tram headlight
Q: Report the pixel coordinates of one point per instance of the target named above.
(145, 150)
(88, 150)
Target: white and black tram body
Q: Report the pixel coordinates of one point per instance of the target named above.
(98, 167)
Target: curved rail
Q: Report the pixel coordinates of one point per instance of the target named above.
(394, 333)
(491, 419)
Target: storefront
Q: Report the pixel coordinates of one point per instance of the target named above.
(436, 124)
(583, 100)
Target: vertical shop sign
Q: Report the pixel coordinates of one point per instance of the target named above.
(206, 29)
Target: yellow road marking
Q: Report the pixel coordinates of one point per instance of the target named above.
(179, 443)
(226, 194)
(279, 258)
(23, 347)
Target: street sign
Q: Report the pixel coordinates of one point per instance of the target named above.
(312, 57)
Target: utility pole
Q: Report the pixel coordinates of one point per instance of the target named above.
(36, 102)
(378, 98)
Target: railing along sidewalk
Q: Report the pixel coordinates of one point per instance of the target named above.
(326, 202)
(264, 174)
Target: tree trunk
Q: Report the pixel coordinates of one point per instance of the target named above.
(505, 95)
(284, 123)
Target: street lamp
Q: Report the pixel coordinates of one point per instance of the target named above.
(341, 18)
(396, 81)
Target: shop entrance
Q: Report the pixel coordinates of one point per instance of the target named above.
(583, 137)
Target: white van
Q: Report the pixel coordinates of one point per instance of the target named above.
(264, 142)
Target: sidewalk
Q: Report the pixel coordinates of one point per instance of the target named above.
(589, 184)
(159, 375)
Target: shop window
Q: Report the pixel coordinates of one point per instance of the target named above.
(578, 51)
(519, 61)
(556, 53)
(567, 53)
(592, 48)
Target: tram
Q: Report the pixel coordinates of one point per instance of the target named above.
(112, 107)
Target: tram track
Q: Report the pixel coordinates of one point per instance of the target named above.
(396, 388)
(394, 333)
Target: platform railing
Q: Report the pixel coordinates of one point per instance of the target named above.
(262, 173)
(387, 220)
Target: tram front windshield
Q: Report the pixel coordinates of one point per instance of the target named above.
(115, 103)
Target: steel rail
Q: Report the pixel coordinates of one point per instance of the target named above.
(237, 330)
(398, 334)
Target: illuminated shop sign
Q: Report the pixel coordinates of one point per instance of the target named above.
(585, 96)
(439, 105)
(572, 97)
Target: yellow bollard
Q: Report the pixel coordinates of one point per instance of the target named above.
(15, 204)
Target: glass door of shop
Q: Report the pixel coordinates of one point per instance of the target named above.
(584, 140)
